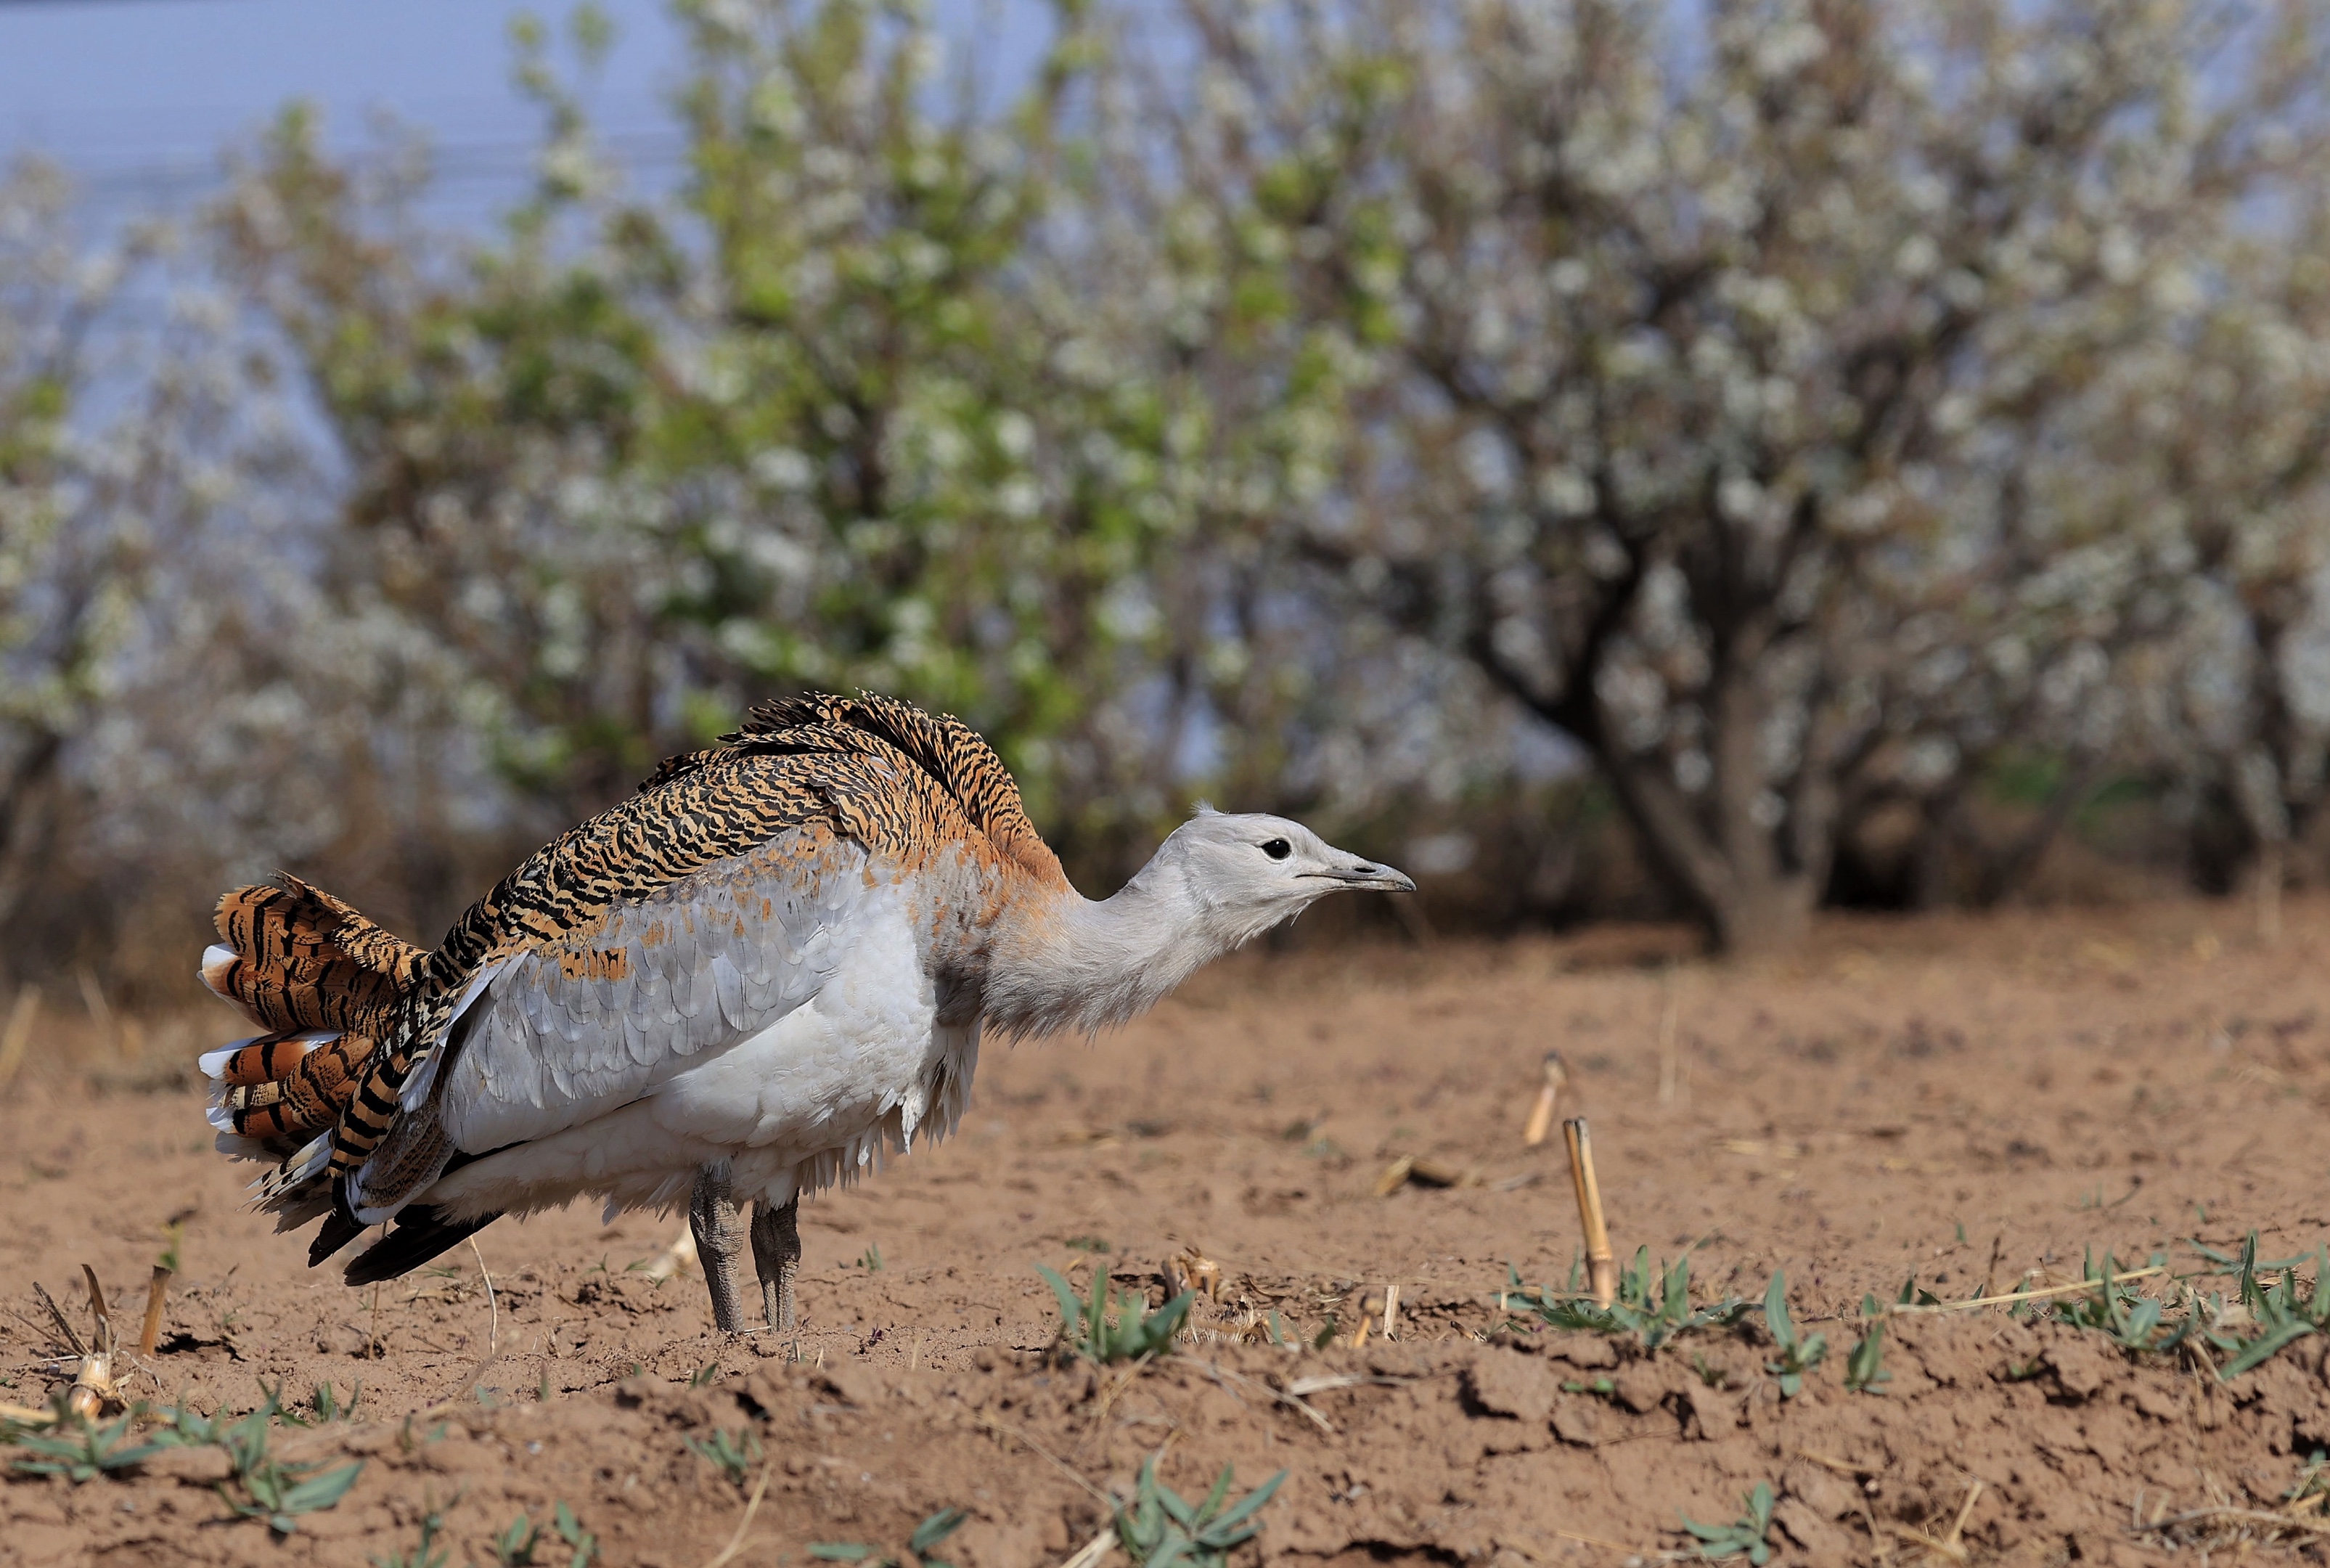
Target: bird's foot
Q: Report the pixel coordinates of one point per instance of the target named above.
(719, 1225)
(776, 1256)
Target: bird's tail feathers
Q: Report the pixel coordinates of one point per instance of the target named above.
(272, 1093)
(323, 984)
(293, 957)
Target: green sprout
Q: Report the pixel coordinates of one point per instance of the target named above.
(1653, 1306)
(1744, 1535)
(1864, 1369)
(1161, 1529)
(81, 1450)
(1799, 1352)
(1110, 1328)
(516, 1546)
(736, 1456)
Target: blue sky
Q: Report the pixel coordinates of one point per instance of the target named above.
(138, 96)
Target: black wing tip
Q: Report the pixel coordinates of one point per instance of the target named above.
(337, 1232)
(420, 1234)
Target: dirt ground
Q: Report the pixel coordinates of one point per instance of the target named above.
(1979, 1105)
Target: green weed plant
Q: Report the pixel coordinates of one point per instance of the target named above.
(1161, 1529)
(1799, 1352)
(1109, 1327)
(733, 1455)
(927, 1536)
(517, 1547)
(1745, 1536)
(1652, 1305)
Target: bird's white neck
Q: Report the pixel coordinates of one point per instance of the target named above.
(1084, 965)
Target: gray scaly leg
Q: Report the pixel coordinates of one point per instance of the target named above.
(776, 1253)
(719, 1227)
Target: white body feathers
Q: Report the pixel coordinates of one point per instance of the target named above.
(831, 1087)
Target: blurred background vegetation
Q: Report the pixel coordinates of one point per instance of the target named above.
(1702, 460)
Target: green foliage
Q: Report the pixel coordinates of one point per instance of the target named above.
(2136, 1322)
(323, 1406)
(1111, 1328)
(1799, 1353)
(2313, 1479)
(581, 1543)
(733, 1455)
(927, 1535)
(1652, 1305)
(81, 1450)
(426, 1554)
(872, 1261)
(269, 1488)
(1864, 1369)
(516, 1546)
(1159, 1528)
(1744, 1535)
(2283, 1314)
(280, 1493)
(933, 1531)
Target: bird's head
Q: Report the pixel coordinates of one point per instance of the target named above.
(1217, 882)
(1247, 871)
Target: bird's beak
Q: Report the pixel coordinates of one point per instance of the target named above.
(1378, 879)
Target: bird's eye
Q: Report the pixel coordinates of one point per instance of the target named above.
(1278, 849)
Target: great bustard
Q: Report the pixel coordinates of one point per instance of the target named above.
(762, 973)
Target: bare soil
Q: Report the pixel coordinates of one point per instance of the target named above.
(1979, 1105)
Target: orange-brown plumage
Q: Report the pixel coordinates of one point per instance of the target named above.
(287, 1087)
(294, 957)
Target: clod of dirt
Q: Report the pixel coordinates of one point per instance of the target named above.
(1507, 1384)
(1807, 1528)
(1642, 1387)
(2079, 1367)
(1587, 1354)
(1827, 1493)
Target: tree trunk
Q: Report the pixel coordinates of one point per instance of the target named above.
(1930, 856)
(1765, 918)
(1748, 904)
(2002, 872)
(2272, 868)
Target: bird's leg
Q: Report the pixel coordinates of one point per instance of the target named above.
(776, 1253)
(718, 1225)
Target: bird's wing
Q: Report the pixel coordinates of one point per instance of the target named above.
(563, 1027)
(601, 1017)
(682, 822)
